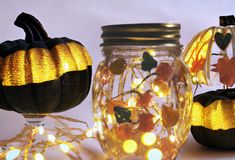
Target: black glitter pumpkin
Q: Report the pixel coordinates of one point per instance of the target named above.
(41, 75)
(213, 120)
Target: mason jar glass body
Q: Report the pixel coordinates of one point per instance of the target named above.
(142, 102)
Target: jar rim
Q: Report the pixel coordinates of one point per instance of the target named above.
(141, 34)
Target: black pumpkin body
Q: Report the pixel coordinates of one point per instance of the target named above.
(213, 119)
(40, 75)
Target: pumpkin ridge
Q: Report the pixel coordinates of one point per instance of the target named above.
(72, 56)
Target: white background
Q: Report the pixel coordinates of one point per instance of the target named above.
(82, 19)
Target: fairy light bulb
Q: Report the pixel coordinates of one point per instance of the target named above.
(89, 133)
(148, 138)
(129, 146)
(132, 102)
(13, 154)
(39, 156)
(154, 154)
(172, 138)
(109, 119)
(41, 130)
(65, 147)
(156, 118)
(51, 138)
(155, 88)
(137, 82)
(160, 88)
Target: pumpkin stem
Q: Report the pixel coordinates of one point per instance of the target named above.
(32, 27)
(227, 20)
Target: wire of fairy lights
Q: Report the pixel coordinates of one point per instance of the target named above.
(33, 142)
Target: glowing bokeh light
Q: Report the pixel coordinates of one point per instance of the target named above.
(129, 146)
(148, 138)
(154, 154)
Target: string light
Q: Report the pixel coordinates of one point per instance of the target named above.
(155, 88)
(160, 88)
(132, 102)
(64, 147)
(51, 138)
(13, 154)
(39, 156)
(129, 146)
(109, 119)
(172, 138)
(27, 138)
(137, 82)
(154, 154)
(41, 130)
(148, 138)
(89, 133)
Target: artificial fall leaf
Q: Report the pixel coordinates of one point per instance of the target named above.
(169, 116)
(118, 66)
(148, 62)
(197, 65)
(165, 71)
(113, 103)
(146, 122)
(144, 99)
(225, 68)
(124, 131)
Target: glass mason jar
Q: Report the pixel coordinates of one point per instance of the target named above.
(142, 92)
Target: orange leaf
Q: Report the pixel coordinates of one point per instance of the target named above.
(225, 68)
(144, 99)
(146, 123)
(165, 71)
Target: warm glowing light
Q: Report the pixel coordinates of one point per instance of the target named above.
(13, 154)
(160, 88)
(51, 138)
(65, 147)
(129, 146)
(39, 156)
(109, 119)
(137, 82)
(66, 66)
(41, 130)
(156, 118)
(172, 138)
(148, 138)
(155, 88)
(154, 154)
(132, 101)
(89, 133)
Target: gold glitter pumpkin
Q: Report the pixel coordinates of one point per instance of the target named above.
(41, 75)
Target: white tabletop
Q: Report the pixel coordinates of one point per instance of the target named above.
(194, 151)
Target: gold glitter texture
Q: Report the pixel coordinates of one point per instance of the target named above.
(218, 115)
(39, 65)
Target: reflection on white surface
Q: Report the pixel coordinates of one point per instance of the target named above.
(194, 151)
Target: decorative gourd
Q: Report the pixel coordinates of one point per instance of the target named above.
(41, 75)
(213, 114)
(213, 122)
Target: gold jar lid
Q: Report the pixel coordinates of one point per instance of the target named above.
(141, 34)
